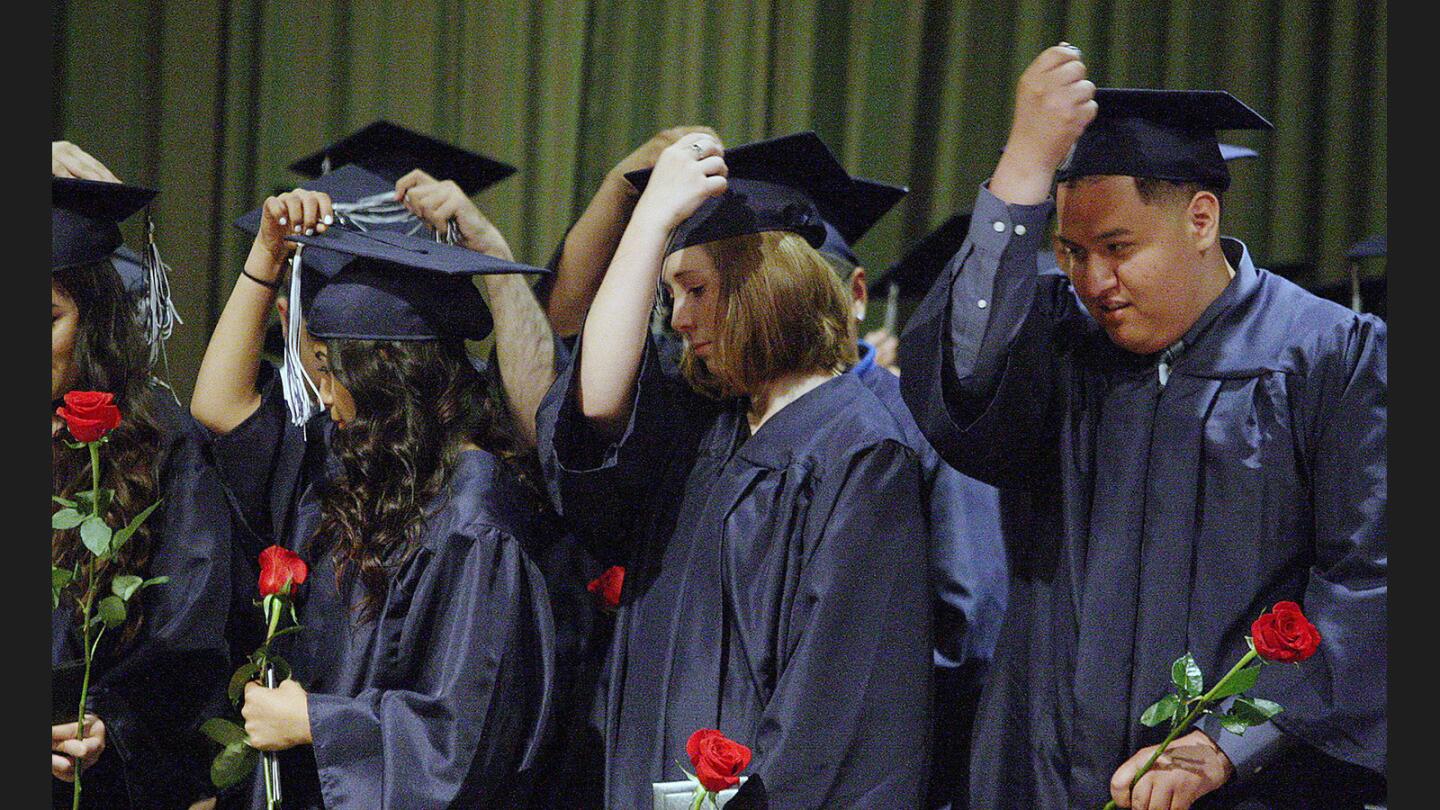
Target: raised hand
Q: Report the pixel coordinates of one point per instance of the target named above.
(1054, 102)
(439, 201)
(298, 211)
(647, 153)
(687, 173)
(69, 160)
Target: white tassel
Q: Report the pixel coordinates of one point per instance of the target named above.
(294, 382)
(375, 211)
(158, 309)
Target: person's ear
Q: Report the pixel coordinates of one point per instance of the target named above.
(1202, 220)
(859, 293)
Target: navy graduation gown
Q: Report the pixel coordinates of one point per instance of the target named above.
(154, 695)
(776, 587)
(442, 700)
(1165, 518)
(968, 573)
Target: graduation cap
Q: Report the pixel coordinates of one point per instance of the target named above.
(360, 196)
(378, 285)
(850, 217)
(392, 151)
(921, 265)
(1367, 248)
(779, 184)
(85, 217)
(1162, 134)
(1373, 247)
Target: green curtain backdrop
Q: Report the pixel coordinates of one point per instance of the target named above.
(209, 101)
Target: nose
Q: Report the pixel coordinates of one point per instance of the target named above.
(681, 319)
(1093, 277)
(327, 391)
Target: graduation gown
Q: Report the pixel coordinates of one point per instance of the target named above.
(443, 699)
(968, 573)
(1164, 518)
(153, 695)
(776, 587)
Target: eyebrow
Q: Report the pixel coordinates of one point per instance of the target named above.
(1112, 233)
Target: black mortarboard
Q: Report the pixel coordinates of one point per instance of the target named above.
(1161, 134)
(779, 184)
(921, 265)
(392, 151)
(1366, 249)
(357, 193)
(85, 217)
(849, 217)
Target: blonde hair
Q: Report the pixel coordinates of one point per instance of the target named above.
(781, 310)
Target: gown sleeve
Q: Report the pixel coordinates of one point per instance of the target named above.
(978, 354)
(848, 723)
(252, 459)
(480, 641)
(1336, 700)
(153, 699)
(588, 478)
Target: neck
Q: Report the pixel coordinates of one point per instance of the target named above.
(767, 401)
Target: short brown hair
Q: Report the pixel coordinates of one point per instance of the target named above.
(780, 310)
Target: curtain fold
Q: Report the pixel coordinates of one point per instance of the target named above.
(210, 101)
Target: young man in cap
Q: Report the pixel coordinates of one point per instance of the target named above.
(1202, 440)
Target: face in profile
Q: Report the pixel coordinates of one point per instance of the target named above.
(64, 326)
(309, 346)
(694, 284)
(333, 395)
(1134, 265)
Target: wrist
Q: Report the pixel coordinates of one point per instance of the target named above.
(264, 264)
(1021, 178)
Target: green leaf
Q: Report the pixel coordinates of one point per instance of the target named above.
(63, 501)
(60, 577)
(129, 529)
(282, 668)
(85, 501)
(154, 581)
(1233, 725)
(1185, 674)
(234, 763)
(1239, 682)
(96, 536)
(1255, 710)
(125, 586)
(223, 731)
(1160, 711)
(66, 518)
(243, 674)
(112, 611)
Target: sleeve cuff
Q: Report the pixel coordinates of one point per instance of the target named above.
(1250, 752)
(997, 227)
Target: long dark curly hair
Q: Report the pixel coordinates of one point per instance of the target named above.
(110, 355)
(416, 404)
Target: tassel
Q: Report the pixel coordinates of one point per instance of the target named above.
(294, 382)
(157, 309)
(377, 211)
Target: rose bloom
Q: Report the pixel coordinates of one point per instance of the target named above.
(718, 760)
(89, 415)
(1284, 634)
(278, 566)
(606, 587)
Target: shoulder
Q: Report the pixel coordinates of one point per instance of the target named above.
(1306, 331)
(483, 499)
(849, 420)
(179, 432)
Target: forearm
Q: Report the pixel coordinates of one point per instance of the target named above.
(524, 346)
(619, 319)
(225, 392)
(589, 247)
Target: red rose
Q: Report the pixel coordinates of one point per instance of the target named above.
(606, 587)
(1284, 634)
(718, 760)
(89, 414)
(278, 566)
